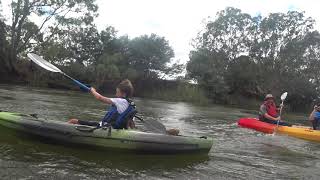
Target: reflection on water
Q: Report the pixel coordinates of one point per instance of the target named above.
(237, 153)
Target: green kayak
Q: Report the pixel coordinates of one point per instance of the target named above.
(128, 140)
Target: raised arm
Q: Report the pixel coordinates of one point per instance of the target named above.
(100, 97)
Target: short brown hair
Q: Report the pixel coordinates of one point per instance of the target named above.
(126, 87)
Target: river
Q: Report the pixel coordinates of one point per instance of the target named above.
(237, 153)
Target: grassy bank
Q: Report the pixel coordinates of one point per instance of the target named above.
(146, 88)
(182, 92)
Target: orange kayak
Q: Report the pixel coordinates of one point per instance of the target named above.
(302, 132)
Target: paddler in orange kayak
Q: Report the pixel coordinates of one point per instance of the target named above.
(269, 112)
(314, 117)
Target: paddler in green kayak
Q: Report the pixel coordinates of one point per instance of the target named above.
(269, 112)
(122, 111)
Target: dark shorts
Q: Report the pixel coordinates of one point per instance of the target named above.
(316, 124)
(89, 123)
(281, 123)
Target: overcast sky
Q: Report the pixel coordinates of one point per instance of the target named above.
(179, 21)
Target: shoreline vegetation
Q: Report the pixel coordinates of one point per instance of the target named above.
(168, 91)
(236, 58)
(177, 92)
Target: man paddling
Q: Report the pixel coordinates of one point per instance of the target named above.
(269, 112)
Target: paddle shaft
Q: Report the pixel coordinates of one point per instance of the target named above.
(280, 114)
(139, 118)
(76, 82)
(281, 109)
(283, 97)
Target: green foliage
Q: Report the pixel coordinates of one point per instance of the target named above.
(207, 74)
(108, 68)
(149, 55)
(243, 72)
(81, 45)
(57, 16)
(237, 53)
(109, 41)
(3, 46)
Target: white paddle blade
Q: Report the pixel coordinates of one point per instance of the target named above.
(43, 63)
(284, 96)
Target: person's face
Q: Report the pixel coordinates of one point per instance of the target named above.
(270, 100)
(119, 93)
(318, 108)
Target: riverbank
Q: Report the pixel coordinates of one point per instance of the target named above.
(168, 90)
(174, 91)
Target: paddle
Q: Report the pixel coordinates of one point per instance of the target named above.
(151, 124)
(283, 97)
(50, 67)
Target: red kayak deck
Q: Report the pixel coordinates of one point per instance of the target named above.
(254, 123)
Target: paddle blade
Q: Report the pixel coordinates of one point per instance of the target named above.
(151, 125)
(43, 63)
(284, 96)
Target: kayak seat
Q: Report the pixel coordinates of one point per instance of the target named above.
(129, 123)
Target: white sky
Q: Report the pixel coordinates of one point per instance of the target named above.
(179, 21)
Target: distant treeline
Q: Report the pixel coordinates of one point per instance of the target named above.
(236, 57)
(240, 55)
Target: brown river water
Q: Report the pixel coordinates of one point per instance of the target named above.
(237, 153)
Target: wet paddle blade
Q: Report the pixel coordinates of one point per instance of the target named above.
(156, 126)
(43, 63)
(151, 125)
(284, 96)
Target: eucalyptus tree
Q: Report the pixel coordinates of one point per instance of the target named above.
(36, 22)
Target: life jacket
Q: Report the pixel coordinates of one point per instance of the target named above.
(271, 108)
(119, 120)
(317, 115)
